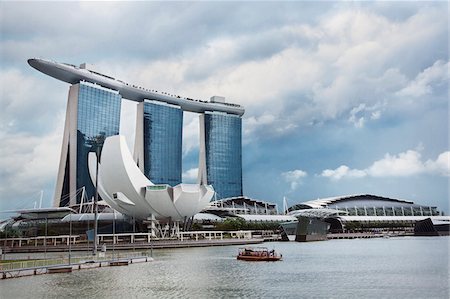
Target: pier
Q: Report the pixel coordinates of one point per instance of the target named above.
(15, 269)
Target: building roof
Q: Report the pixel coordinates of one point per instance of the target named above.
(91, 216)
(358, 200)
(72, 74)
(267, 218)
(43, 213)
(242, 199)
(392, 218)
(208, 216)
(317, 213)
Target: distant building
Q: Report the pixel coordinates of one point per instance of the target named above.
(249, 209)
(243, 205)
(368, 205)
(366, 211)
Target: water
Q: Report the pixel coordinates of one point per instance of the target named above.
(408, 267)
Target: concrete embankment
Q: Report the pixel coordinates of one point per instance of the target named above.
(366, 235)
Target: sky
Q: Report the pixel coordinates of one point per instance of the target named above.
(341, 97)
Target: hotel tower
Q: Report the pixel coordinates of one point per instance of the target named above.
(93, 113)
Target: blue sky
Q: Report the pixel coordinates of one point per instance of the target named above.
(340, 97)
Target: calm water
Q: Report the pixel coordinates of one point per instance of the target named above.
(366, 268)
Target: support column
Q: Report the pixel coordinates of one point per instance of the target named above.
(202, 178)
(151, 225)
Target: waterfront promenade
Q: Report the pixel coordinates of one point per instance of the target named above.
(127, 246)
(135, 240)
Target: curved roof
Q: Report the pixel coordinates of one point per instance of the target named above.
(393, 218)
(208, 216)
(317, 213)
(267, 218)
(358, 200)
(73, 75)
(91, 217)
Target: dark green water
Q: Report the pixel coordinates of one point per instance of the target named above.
(408, 267)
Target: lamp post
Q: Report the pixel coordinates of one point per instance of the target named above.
(70, 238)
(97, 142)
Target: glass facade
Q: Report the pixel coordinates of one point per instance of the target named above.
(98, 117)
(223, 144)
(163, 127)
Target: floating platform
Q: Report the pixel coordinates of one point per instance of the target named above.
(14, 273)
(119, 263)
(59, 269)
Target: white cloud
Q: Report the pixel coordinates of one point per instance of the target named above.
(362, 113)
(191, 133)
(343, 171)
(423, 84)
(375, 115)
(358, 121)
(294, 177)
(328, 68)
(254, 123)
(404, 164)
(28, 163)
(27, 104)
(190, 176)
(441, 165)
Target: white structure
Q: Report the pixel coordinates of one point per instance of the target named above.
(73, 75)
(126, 189)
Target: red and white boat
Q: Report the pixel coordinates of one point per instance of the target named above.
(258, 254)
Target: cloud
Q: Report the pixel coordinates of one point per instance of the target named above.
(441, 165)
(191, 133)
(28, 163)
(294, 177)
(404, 164)
(317, 72)
(190, 176)
(29, 104)
(362, 113)
(426, 81)
(343, 171)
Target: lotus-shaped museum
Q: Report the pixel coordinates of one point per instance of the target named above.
(127, 190)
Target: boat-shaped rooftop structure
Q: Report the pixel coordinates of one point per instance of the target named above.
(72, 74)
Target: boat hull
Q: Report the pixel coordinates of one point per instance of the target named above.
(259, 258)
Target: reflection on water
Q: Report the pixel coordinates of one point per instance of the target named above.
(371, 268)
